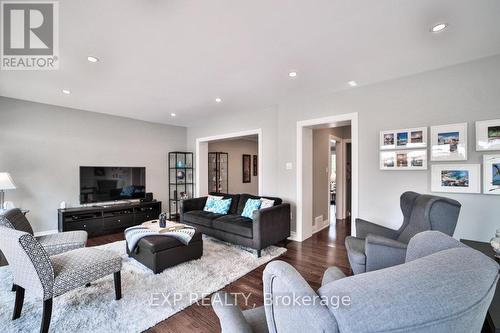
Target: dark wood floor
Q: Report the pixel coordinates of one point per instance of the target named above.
(311, 258)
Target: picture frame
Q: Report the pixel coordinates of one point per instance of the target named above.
(488, 135)
(408, 138)
(449, 142)
(255, 166)
(247, 176)
(491, 174)
(404, 159)
(456, 178)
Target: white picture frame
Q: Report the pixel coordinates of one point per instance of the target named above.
(407, 138)
(456, 178)
(491, 174)
(403, 159)
(488, 135)
(449, 142)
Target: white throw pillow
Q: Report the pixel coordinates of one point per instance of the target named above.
(266, 203)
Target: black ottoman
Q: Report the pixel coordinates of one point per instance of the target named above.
(160, 252)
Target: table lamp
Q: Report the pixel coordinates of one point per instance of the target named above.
(6, 183)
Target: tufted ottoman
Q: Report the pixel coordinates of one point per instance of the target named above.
(160, 252)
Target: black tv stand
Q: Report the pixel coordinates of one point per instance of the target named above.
(100, 220)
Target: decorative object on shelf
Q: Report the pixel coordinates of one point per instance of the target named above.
(6, 183)
(218, 179)
(449, 142)
(495, 243)
(456, 178)
(247, 176)
(183, 196)
(404, 138)
(255, 166)
(62, 205)
(163, 219)
(488, 135)
(180, 179)
(491, 174)
(403, 160)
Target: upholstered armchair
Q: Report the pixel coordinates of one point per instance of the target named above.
(53, 243)
(425, 294)
(376, 247)
(48, 277)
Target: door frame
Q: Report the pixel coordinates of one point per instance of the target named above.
(339, 141)
(304, 171)
(201, 157)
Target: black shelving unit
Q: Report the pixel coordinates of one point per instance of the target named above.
(218, 172)
(180, 181)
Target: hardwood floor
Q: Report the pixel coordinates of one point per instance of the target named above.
(311, 258)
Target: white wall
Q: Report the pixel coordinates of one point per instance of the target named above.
(42, 146)
(235, 150)
(466, 92)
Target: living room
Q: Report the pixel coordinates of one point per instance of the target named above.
(118, 134)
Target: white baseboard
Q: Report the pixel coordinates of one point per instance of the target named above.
(48, 232)
(293, 236)
(324, 225)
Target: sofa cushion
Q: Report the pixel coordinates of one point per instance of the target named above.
(244, 197)
(235, 224)
(234, 202)
(200, 217)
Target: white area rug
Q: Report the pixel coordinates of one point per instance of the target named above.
(94, 309)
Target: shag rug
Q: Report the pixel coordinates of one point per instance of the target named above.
(147, 298)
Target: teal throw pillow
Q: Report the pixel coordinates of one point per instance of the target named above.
(221, 206)
(250, 206)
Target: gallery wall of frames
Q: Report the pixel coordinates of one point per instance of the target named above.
(408, 149)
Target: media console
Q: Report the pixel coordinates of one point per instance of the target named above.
(99, 220)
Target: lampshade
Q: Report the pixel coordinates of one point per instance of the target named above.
(6, 182)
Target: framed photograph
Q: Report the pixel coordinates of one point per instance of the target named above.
(488, 135)
(449, 142)
(456, 178)
(404, 138)
(491, 174)
(403, 160)
(247, 161)
(255, 166)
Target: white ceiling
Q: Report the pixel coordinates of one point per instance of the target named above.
(159, 56)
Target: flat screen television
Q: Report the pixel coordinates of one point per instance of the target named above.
(99, 184)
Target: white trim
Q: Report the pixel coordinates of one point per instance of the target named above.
(47, 232)
(293, 236)
(301, 234)
(338, 141)
(322, 227)
(257, 132)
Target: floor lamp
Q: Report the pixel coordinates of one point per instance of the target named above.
(6, 183)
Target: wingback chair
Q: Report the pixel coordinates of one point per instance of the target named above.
(48, 277)
(443, 287)
(376, 247)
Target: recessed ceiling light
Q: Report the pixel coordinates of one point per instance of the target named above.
(66, 91)
(173, 114)
(292, 74)
(352, 83)
(92, 59)
(218, 100)
(439, 27)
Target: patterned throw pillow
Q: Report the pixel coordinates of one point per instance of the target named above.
(211, 202)
(266, 203)
(221, 206)
(250, 206)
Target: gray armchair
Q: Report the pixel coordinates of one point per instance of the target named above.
(376, 247)
(443, 287)
(48, 277)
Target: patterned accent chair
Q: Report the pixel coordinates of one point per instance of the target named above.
(54, 243)
(48, 277)
(376, 247)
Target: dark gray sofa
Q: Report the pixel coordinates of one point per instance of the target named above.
(269, 225)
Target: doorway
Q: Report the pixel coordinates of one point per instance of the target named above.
(305, 218)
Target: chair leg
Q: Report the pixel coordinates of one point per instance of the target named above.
(18, 305)
(88, 285)
(46, 316)
(13, 287)
(258, 253)
(118, 285)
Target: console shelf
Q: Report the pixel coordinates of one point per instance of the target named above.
(99, 220)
